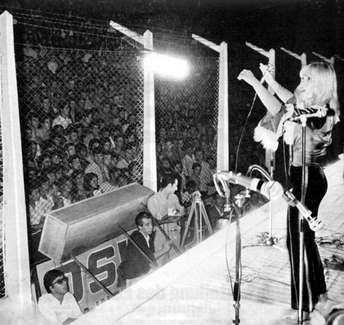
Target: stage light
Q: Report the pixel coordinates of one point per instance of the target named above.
(166, 65)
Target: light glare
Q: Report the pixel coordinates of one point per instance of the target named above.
(166, 65)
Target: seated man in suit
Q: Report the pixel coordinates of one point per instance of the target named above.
(140, 257)
(215, 210)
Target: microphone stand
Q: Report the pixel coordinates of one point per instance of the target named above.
(303, 120)
(270, 240)
(238, 207)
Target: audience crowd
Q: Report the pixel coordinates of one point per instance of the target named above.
(82, 121)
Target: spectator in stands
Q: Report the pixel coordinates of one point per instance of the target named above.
(93, 134)
(74, 164)
(123, 161)
(56, 158)
(45, 161)
(63, 118)
(56, 143)
(110, 160)
(165, 169)
(106, 141)
(46, 107)
(49, 172)
(45, 194)
(32, 154)
(97, 166)
(36, 212)
(206, 176)
(78, 191)
(178, 169)
(215, 210)
(87, 118)
(73, 136)
(119, 144)
(212, 170)
(58, 305)
(43, 132)
(59, 172)
(65, 186)
(186, 196)
(33, 125)
(196, 175)
(91, 185)
(69, 149)
(188, 159)
(94, 143)
(170, 152)
(81, 151)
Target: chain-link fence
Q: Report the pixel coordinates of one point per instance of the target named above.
(82, 123)
(186, 117)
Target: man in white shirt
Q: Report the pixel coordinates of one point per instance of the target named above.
(58, 305)
(63, 118)
(162, 205)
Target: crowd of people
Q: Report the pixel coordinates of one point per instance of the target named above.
(80, 94)
(82, 122)
(81, 133)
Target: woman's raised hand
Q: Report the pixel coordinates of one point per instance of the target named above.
(248, 76)
(266, 71)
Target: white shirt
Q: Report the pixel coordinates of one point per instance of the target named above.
(60, 120)
(146, 238)
(54, 311)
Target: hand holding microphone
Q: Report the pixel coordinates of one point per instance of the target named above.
(249, 77)
(270, 189)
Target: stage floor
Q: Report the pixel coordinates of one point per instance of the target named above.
(194, 288)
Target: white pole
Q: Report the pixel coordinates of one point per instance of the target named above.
(269, 154)
(324, 58)
(222, 123)
(149, 140)
(271, 55)
(222, 155)
(16, 254)
(302, 57)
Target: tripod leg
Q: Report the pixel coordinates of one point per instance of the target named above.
(206, 219)
(200, 229)
(196, 234)
(186, 230)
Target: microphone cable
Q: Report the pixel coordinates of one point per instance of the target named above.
(230, 279)
(245, 124)
(286, 165)
(243, 132)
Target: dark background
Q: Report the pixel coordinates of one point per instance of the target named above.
(298, 25)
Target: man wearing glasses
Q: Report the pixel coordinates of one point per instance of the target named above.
(58, 305)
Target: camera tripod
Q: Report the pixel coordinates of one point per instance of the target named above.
(200, 218)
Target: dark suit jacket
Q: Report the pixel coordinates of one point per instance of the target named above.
(213, 215)
(135, 263)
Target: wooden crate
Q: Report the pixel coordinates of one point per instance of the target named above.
(79, 227)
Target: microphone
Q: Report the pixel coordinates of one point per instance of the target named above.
(271, 190)
(304, 113)
(227, 207)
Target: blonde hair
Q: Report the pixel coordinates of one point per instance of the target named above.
(324, 82)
